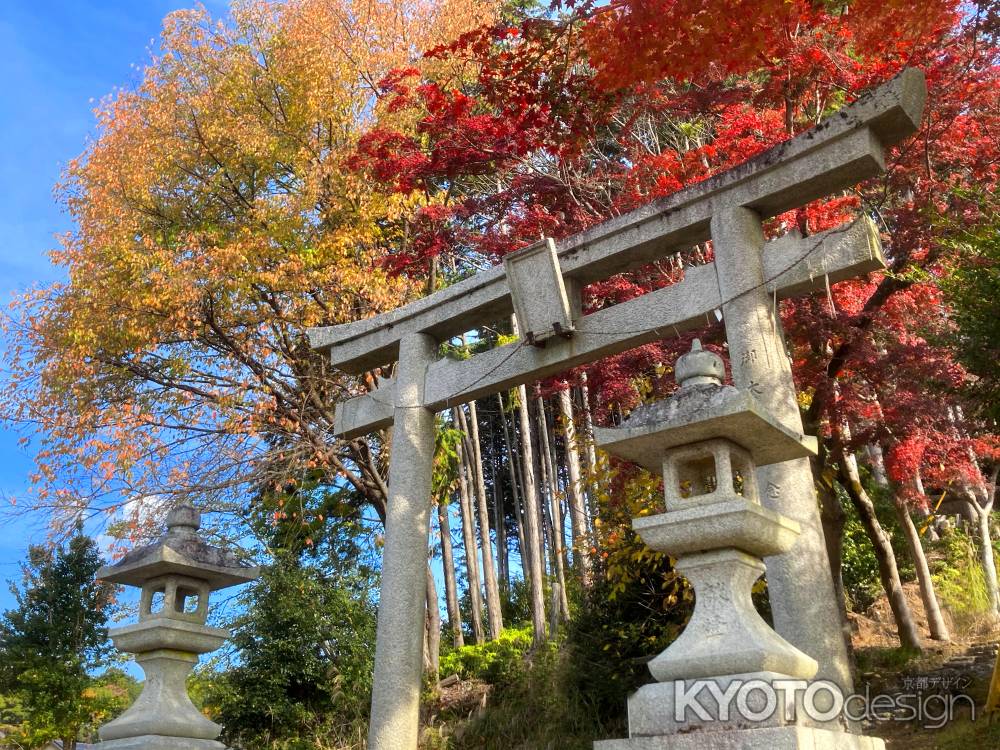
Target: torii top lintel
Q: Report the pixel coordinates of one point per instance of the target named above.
(839, 152)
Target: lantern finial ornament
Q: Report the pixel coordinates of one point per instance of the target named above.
(699, 367)
(183, 520)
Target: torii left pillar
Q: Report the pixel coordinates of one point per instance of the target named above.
(399, 646)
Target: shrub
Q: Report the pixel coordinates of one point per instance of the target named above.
(959, 578)
(497, 662)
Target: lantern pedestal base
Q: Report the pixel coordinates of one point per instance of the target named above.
(771, 738)
(163, 709)
(161, 742)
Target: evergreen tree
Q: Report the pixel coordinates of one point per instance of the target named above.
(54, 639)
(304, 641)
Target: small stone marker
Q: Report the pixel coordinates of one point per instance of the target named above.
(176, 576)
(538, 292)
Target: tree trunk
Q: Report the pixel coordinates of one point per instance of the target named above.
(432, 640)
(500, 523)
(558, 550)
(574, 491)
(469, 540)
(532, 521)
(588, 424)
(470, 427)
(876, 459)
(833, 517)
(918, 482)
(512, 463)
(450, 580)
(590, 450)
(847, 469)
(983, 510)
(932, 609)
(935, 621)
(988, 560)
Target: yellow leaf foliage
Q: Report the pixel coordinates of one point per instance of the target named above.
(215, 219)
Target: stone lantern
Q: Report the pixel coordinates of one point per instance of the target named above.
(708, 440)
(176, 575)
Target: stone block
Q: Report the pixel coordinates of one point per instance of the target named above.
(736, 523)
(163, 707)
(770, 738)
(726, 635)
(161, 632)
(539, 294)
(161, 742)
(700, 413)
(653, 708)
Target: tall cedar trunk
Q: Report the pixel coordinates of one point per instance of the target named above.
(470, 426)
(450, 579)
(555, 468)
(432, 629)
(514, 487)
(935, 621)
(542, 472)
(500, 524)
(574, 491)
(558, 548)
(557, 498)
(469, 541)
(847, 469)
(498, 520)
(590, 447)
(532, 520)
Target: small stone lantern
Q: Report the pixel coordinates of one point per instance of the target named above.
(176, 576)
(708, 440)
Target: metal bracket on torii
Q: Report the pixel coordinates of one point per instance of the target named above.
(542, 284)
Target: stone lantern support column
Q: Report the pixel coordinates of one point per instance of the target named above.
(803, 600)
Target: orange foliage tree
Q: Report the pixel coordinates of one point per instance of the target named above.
(214, 222)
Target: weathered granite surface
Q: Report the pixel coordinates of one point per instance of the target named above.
(176, 575)
(394, 723)
(160, 742)
(768, 738)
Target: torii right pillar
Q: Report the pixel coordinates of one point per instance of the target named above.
(799, 582)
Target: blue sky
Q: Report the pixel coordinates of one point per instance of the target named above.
(59, 58)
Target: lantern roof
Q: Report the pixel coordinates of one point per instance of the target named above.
(180, 551)
(702, 409)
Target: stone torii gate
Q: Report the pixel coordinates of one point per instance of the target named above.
(542, 284)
